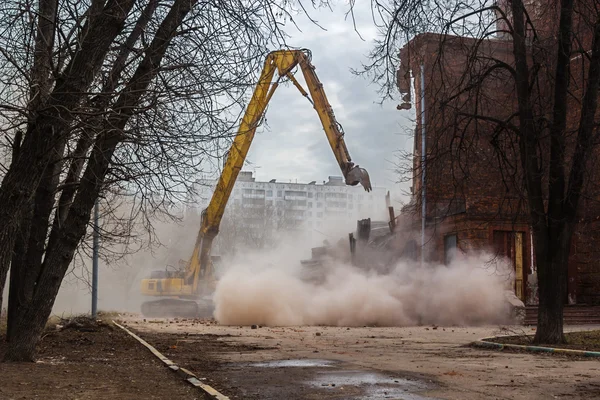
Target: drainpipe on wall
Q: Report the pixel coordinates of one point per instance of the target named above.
(423, 154)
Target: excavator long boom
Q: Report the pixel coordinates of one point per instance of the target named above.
(282, 62)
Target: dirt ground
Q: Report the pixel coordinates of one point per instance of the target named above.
(367, 363)
(417, 363)
(103, 365)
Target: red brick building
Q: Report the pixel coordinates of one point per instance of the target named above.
(466, 190)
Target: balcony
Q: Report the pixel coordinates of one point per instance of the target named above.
(294, 197)
(253, 196)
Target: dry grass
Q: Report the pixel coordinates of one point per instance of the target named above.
(587, 340)
(104, 317)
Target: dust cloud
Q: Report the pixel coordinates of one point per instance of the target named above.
(272, 290)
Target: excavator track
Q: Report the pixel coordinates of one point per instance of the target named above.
(170, 308)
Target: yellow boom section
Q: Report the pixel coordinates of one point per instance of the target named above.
(282, 61)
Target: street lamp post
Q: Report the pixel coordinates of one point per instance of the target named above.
(96, 240)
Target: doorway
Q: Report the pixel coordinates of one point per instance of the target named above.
(512, 245)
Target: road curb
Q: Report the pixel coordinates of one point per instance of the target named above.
(185, 374)
(487, 343)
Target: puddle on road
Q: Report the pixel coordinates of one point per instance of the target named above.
(333, 379)
(376, 386)
(294, 363)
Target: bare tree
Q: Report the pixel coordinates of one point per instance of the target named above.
(105, 97)
(515, 90)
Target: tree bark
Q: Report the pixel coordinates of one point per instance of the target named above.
(552, 277)
(18, 290)
(27, 257)
(30, 324)
(16, 147)
(44, 44)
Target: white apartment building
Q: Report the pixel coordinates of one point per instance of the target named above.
(306, 206)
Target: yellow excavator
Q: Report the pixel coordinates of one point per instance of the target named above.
(187, 291)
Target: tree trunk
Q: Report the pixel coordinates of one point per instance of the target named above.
(19, 291)
(27, 258)
(2, 282)
(552, 277)
(550, 310)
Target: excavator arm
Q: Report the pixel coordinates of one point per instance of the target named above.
(283, 62)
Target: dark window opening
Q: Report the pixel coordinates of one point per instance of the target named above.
(450, 244)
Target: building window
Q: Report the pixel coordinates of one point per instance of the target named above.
(319, 215)
(279, 193)
(319, 205)
(310, 195)
(269, 193)
(310, 203)
(450, 242)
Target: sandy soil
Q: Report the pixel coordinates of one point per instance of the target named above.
(355, 363)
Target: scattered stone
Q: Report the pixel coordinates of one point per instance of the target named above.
(254, 326)
(318, 334)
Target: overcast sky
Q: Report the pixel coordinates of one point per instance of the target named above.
(294, 146)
